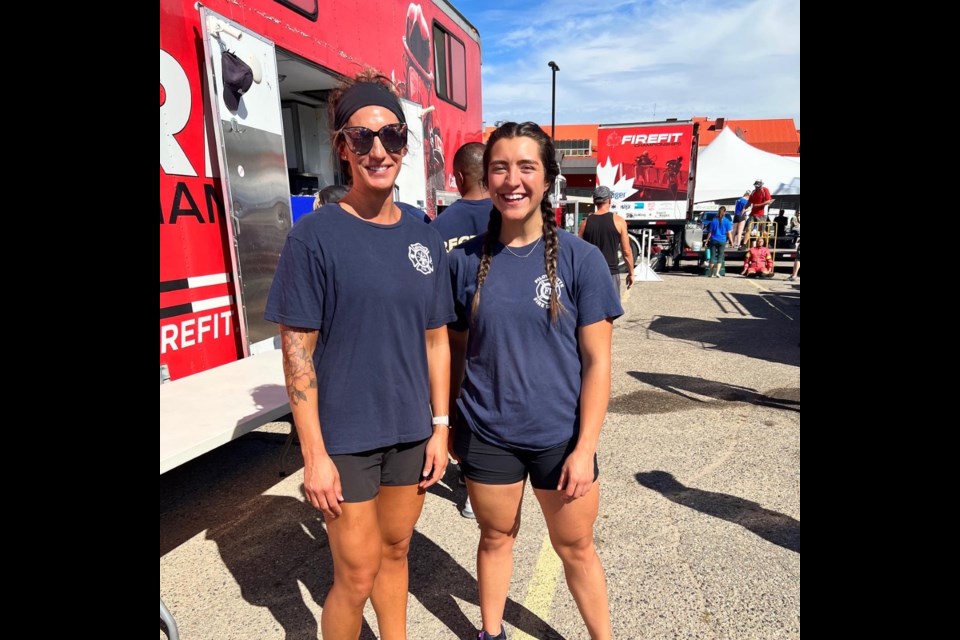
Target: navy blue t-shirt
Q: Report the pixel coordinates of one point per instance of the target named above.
(413, 211)
(522, 382)
(463, 220)
(372, 290)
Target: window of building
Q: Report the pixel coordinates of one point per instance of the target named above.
(450, 67)
(574, 147)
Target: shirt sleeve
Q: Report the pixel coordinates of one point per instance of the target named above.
(298, 291)
(443, 308)
(458, 283)
(596, 297)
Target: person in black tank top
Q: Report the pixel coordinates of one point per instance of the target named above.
(608, 232)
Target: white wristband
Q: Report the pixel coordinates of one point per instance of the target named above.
(444, 420)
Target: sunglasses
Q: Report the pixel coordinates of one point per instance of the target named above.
(393, 137)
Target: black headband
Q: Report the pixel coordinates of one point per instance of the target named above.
(365, 94)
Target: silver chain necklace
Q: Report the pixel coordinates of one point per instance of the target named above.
(532, 249)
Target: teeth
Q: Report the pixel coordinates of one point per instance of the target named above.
(512, 196)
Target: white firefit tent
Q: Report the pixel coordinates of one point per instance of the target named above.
(728, 166)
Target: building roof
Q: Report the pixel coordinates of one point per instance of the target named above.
(779, 136)
(566, 132)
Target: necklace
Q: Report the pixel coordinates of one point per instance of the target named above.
(527, 255)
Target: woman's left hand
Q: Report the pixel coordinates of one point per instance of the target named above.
(435, 458)
(576, 477)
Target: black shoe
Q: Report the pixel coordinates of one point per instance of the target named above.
(486, 636)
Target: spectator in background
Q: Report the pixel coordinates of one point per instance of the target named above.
(781, 223)
(759, 200)
(758, 261)
(464, 219)
(469, 215)
(607, 231)
(740, 212)
(795, 232)
(329, 195)
(719, 232)
(414, 212)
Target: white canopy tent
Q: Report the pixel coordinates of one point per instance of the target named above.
(728, 166)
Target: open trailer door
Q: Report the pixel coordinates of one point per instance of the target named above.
(412, 180)
(244, 93)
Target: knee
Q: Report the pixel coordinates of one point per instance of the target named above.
(496, 540)
(396, 551)
(575, 552)
(356, 585)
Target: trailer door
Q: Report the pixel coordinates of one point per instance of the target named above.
(244, 94)
(412, 181)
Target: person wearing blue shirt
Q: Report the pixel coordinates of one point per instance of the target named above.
(740, 212)
(414, 212)
(362, 296)
(719, 232)
(468, 216)
(535, 310)
(461, 221)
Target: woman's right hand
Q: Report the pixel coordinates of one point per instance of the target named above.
(321, 485)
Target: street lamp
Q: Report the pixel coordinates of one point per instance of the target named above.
(553, 107)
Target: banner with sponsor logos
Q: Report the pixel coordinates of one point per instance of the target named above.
(647, 166)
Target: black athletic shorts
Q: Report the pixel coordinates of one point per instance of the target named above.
(489, 464)
(362, 474)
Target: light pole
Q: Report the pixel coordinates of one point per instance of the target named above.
(553, 106)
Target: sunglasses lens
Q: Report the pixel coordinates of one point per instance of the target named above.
(394, 137)
(359, 139)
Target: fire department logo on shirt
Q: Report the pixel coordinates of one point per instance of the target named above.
(420, 258)
(544, 290)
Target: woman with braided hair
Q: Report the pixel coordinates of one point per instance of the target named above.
(535, 309)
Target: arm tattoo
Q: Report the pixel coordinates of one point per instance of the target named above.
(298, 363)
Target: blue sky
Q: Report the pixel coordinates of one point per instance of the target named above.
(638, 60)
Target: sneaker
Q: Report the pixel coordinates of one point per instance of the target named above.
(486, 636)
(467, 511)
(791, 278)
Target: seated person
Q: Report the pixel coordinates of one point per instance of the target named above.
(758, 261)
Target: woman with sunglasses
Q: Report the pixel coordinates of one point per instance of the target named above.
(535, 309)
(362, 296)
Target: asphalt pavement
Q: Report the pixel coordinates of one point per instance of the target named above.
(699, 526)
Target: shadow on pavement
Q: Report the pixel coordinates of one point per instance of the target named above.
(770, 525)
(682, 388)
(765, 325)
(277, 549)
(195, 495)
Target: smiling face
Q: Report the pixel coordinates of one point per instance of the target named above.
(377, 170)
(516, 179)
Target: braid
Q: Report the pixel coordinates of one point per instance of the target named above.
(551, 244)
(493, 233)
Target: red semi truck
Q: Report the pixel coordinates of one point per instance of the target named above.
(651, 169)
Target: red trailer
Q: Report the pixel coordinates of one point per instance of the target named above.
(232, 154)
